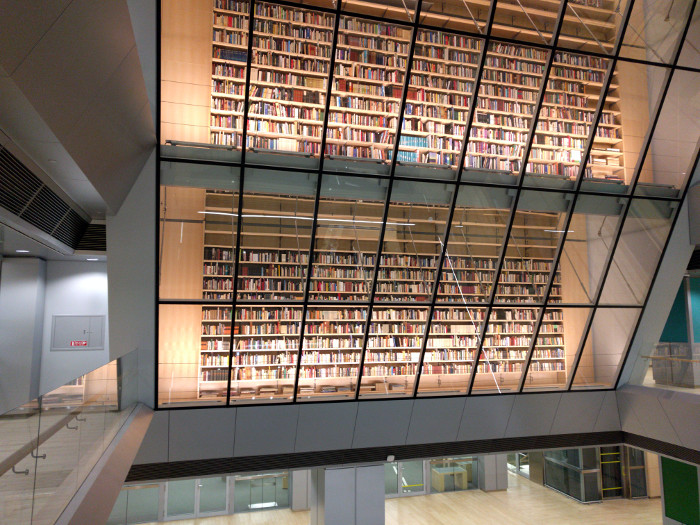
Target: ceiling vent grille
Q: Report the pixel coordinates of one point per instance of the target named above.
(26, 196)
(94, 239)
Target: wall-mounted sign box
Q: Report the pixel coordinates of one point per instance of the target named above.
(77, 332)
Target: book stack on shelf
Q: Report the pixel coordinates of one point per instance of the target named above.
(290, 68)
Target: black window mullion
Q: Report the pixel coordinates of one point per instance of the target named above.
(314, 224)
(241, 181)
(625, 211)
(517, 189)
(457, 187)
(387, 203)
(579, 181)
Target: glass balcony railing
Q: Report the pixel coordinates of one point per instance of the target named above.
(49, 445)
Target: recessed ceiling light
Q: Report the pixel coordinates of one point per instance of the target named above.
(93, 259)
(52, 161)
(22, 251)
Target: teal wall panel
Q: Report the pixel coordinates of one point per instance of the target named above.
(676, 329)
(695, 306)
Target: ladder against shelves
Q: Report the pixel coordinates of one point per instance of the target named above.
(290, 71)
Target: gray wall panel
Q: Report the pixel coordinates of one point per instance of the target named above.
(382, 423)
(22, 293)
(435, 420)
(532, 414)
(628, 418)
(665, 415)
(154, 447)
(485, 417)
(577, 412)
(265, 430)
(325, 427)
(369, 495)
(608, 416)
(339, 496)
(202, 433)
(683, 411)
(651, 416)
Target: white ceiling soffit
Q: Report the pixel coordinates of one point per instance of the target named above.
(77, 63)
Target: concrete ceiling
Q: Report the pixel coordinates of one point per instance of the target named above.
(74, 96)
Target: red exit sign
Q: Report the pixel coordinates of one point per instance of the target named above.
(78, 343)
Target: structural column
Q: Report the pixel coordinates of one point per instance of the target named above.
(493, 472)
(347, 496)
(679, 493)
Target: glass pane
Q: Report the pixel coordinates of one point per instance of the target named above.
(605, 347)
(588, 240)
(275, 235)
(455, 14)
(674, 145)
(367, 86)
(187, 67)
(347, 235)
(332, 349)
(476, 235)
(228, 71)
(629, 109)
(180, 498)
(215, 346)
(506, 343)
(525, 20)
(690, 55)
(391, 478)
(654, 30)
(438, 100)
(212, 494)
(412, 476)
(638, 251)
(193, 348)
(289, 78)
(449, 354)
(142, 504)
(265, 352)
(592, 25)
(505, 107)
(573, 92)
(555, 350)
(393, 351)
(196, 224)
(452, 474)
(413, 240)
(118, 514)
(537, 229)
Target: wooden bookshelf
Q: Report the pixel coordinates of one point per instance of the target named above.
(264, 336)
(290, 70)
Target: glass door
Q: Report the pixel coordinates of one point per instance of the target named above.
(260, 492)
(404, 478)
(211, 496)
(195, 498)
(180, 499)
(412, 477)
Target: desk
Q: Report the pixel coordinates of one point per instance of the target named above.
(460, 475)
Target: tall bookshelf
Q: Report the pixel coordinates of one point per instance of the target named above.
(263, 332)
(290, 70)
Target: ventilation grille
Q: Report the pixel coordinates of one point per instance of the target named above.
(94, 239)
(185, 469)
(26, 196)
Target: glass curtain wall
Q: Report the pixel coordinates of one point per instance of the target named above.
(361, 200)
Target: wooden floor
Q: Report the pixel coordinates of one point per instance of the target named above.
(523, 503)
